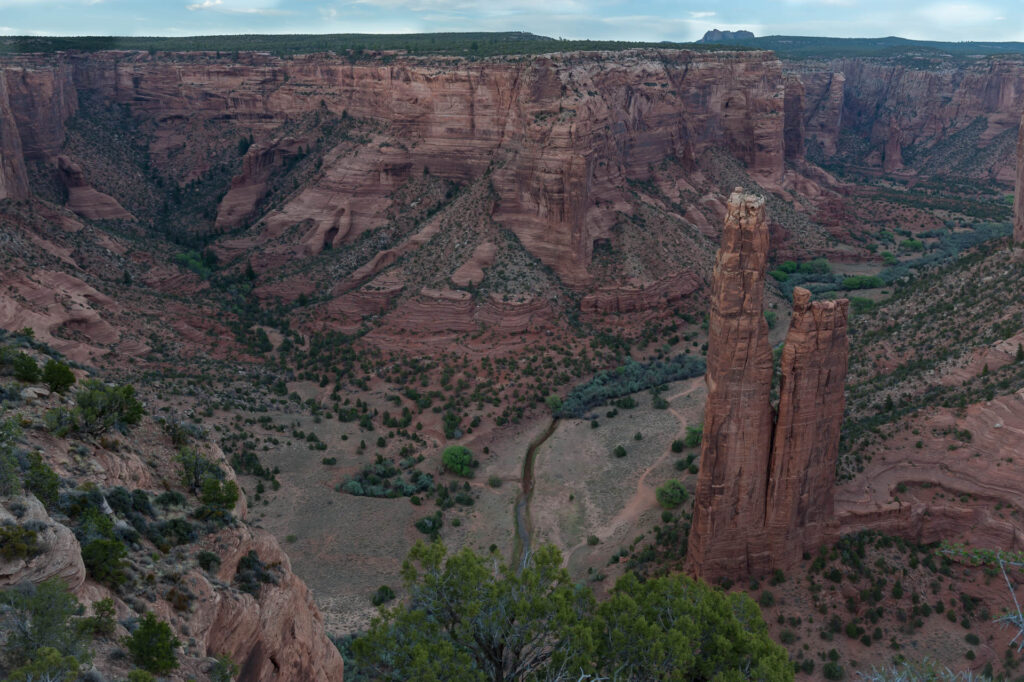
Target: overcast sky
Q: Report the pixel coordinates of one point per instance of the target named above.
(677, 20)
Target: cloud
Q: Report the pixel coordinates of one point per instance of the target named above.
(235, 7)
(954, 14)
(702, 15)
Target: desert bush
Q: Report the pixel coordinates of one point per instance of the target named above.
(18, 542)
(383, 595)
(58, 376)
(671, 494)
(458, 460)
(251, 574)
(25, 368)
(631, 377)
(152, 646)
(104, 559)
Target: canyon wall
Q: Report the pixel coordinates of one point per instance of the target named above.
(940, 116)
(560, 133)
(1018, 195)
(765, 488)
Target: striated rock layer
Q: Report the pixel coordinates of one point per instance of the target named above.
(765, 489)
(1018, 195)
(800, 511)
(728, 510)
(562, 133)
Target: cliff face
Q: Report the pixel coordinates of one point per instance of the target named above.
(728, 511)
(765, 487)
(800, 506)
(13, 179)
(1018, 195)
(933, 109)
(562, 134)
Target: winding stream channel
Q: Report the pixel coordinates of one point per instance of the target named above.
(524, 527)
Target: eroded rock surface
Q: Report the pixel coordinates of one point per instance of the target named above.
(765, 489)
(1018, 196)
(800, 512)
(728, 511)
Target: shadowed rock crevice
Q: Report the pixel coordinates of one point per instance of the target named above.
(764, 493)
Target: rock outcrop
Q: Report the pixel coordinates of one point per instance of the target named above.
(800, 511)
(726, 535)
(764, 492)
(86, 200)
(1018, 195)
(250, 185)
(61, 555)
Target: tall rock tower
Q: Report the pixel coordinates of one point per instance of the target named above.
(728, 512)
(765, 489)
(799, 515)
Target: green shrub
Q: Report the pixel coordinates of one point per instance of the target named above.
(216, 493)
(619, 451)
(833, 671)
(863, 282)
(494, 481)
(694, 436)
(677, 445)
(18, 542)
(34, 617)
(58, 376)
(383, 595)
(671, 494)
(104, 558)
(207, 560)
(766, 599)
(152, 646)
(458, 460)
(223, 669)
(251, 574)
(100, 408)
(103, 622)
(42, 481)
(25, 368)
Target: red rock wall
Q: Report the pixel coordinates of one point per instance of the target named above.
(1018, 196)
(563, 132)
(729, 503)
(13, 178)
(920, 106)
(800, 511)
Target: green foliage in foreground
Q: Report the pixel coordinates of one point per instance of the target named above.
(471, 617)
(629, 378)
(41, 636)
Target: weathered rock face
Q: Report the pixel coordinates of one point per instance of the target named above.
(84, 199)
(13, 178)
(800, 511)
(563, 132)
(895, 107)
(764, 492)
(250, 185)
(61, 556)
(729, 504)
(1018, 195)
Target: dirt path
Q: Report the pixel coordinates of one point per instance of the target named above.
(643, 497)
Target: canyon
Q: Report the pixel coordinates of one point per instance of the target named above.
(338, 264)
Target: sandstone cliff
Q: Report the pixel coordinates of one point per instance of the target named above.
(939, 108)
(1018, 196)
(765, 488)
(13, 178)
(562, 133)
